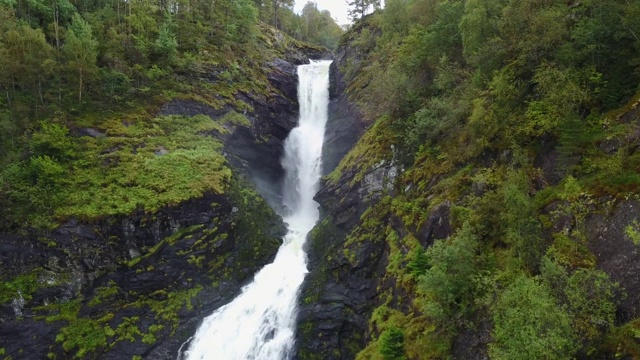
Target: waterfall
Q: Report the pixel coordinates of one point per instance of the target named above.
(260, 323)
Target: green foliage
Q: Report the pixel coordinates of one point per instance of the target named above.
(20, 286)
(81, 51)
(318, 27)
(528, 324)
(112, 48)
(633, 233)
(359, 8)
(147, 165)
(52, 140)
(419, 265)
(241, 19)
(166, 44)
(455, 283)
(480, 39)
(588, 295)
(128, 330)
(560, 97)
(85, 335)
(593, 300)
(392, 344)
(522, 230)
(472, 97)
(570, 252)
(625, 339)
(104, 293)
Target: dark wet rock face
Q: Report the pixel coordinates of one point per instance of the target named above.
(616, 254)
(345, 124)
(160, 274)
(437, 226)
(339, 293)
(471, 344)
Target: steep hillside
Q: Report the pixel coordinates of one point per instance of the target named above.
(136, 188)
(490, 210)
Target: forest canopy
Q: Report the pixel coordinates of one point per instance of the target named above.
(65, 65)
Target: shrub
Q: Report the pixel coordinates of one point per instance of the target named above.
(528, 324)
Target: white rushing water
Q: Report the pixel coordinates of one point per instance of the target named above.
(260, 323)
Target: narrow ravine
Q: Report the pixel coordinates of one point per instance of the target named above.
(260, 323)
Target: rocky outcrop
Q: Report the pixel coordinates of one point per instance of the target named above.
(615, 251)
(338, 295)
(137, 285)
(345, 124)
(256, 150)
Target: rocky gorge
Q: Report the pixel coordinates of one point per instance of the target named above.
(420, 248)
(137, 286)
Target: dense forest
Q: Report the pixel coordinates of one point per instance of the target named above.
(515, 119)
(65, 66)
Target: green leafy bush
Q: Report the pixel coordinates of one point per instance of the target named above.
(528, 324)
(455, 280)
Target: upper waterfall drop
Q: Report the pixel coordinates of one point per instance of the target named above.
(260, 323)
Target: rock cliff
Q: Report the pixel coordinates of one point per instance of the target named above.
(137, 286)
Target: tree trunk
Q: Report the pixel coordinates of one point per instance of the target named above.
(40, 89)
(56, 22)
(80, 90)
(275, 14)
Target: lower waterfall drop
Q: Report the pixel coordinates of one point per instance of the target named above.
(260, 323)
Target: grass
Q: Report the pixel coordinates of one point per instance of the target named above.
(141, 164)
(138, 175)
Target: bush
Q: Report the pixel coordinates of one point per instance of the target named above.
(456, 279)
(589, 296)
(52, 140)
(528, 324)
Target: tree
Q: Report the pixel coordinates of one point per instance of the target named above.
(166, 44)
(392, 344)
(318, 27)
(81, 51)
(26, 60)
(528, 324)
(244, 19)
(479, 28)
(453, 284)
(589, 296)
(522, 229)
(360, 8)
(236, 21)
(277, 5)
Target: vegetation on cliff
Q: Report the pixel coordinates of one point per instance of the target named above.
(520, 119)
(82, 84)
